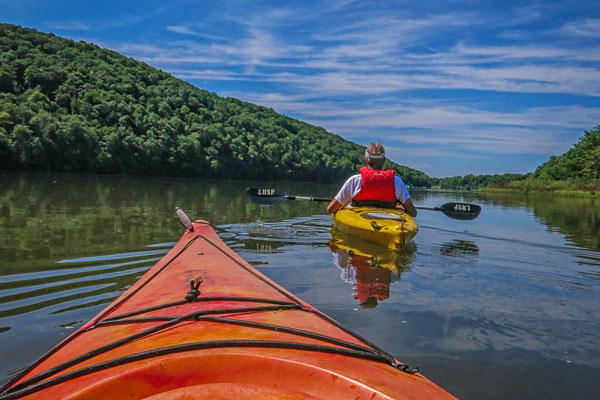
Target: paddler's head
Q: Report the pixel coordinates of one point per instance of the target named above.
(375, 155)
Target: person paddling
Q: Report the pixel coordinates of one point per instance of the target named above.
(374, 186)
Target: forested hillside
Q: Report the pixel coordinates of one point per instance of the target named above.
(582, 161)
(73, 106)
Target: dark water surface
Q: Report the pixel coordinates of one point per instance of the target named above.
(505, 306)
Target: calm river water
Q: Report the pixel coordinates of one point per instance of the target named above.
(505, 306)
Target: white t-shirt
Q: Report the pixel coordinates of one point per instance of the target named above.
(351, 188)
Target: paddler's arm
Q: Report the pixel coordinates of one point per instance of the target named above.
(409, 208)
(344, 196)
(333, 206)
(402, 194)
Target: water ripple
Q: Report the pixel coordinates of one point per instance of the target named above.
(312, 230)
(85, 282)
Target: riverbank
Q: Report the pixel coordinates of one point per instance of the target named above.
(563, 193)
(568, 188)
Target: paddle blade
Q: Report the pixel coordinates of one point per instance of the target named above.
(266, 196)
(464, 211)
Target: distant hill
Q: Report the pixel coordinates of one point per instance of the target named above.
(73, 106)
(582, 161)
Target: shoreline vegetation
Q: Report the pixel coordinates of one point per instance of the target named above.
(69, 106)
(572, 187)
(574, 173)
(545, 191)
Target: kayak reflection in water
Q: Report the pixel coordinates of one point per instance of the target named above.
(374, 186)
(369, 267)
(372, 283)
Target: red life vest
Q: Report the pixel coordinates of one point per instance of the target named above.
(376, 186)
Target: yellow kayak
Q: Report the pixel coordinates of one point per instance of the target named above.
(392, 228)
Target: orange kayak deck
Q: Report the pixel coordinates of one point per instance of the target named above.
(203, 323)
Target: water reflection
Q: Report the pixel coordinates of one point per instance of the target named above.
(459, 248)
(577, 218)
(369, 267)
(48, 217)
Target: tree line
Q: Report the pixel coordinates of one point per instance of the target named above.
(470, 181)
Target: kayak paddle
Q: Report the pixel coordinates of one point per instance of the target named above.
(463, 211)
(275, 196)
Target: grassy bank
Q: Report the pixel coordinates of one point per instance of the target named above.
(569, 187)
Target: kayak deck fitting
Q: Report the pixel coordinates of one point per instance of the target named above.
(203, 323)
(392, 228)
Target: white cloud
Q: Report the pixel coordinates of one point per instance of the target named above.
(67, 25)
(418, 122)
(589, 27)
(209, 74)
(527, 79)
(143, 14)
(527, 53)
(372, 56)
(514, 69)
(186, 30)
(399, 30)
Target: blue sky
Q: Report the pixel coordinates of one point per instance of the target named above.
(450, 87)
